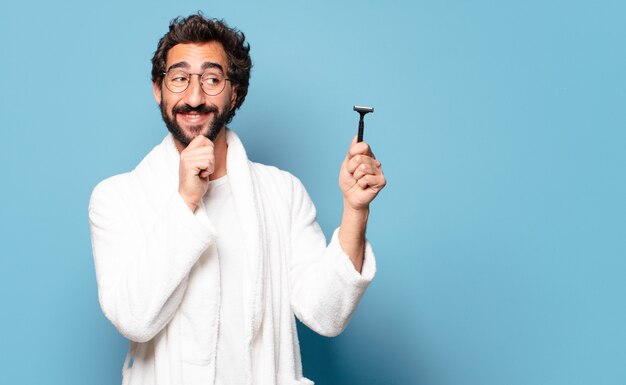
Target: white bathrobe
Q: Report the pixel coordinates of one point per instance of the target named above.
(158, 271)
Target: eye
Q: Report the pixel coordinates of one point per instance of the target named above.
(179, 77)
(211, 79)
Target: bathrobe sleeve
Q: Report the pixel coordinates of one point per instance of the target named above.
(142, 255)
(325, 287)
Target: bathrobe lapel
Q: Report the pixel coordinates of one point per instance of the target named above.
(249, 207)
(158, 173)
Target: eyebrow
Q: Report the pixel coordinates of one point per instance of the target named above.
(209, 64)
(205, 65)
(180, 64)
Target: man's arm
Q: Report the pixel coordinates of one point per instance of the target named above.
(142, 258)
(327, 282)
(361, 178)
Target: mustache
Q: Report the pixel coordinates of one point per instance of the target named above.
(201, 109)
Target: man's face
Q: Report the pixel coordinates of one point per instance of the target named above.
(192, 112)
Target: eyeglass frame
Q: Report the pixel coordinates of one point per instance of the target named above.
(189, 82)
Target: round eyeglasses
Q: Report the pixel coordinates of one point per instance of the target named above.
(211, 82)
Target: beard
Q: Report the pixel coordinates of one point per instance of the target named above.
(215, 125)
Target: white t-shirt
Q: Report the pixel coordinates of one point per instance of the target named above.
(220, 208)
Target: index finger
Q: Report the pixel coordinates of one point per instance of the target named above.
(199, 141)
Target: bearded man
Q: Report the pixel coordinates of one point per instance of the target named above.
(204, 258)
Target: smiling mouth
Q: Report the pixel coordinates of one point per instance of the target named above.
(193, 117)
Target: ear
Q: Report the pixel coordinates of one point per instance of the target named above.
(156, 89)
(233, 97)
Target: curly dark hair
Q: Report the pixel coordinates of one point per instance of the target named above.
(198, 29)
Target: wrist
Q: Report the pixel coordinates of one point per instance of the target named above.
(354, 222)
(355, 213)
(352, 233)
(193, 205)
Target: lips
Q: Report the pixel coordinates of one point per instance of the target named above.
(193, 117)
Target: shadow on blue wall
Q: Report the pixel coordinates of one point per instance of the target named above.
(364, 354)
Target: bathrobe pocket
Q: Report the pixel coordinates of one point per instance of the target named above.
(198, 336)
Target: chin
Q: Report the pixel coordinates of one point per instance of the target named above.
(193, 131)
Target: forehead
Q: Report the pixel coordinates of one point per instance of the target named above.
(195, 54)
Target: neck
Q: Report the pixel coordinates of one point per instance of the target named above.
(220, 149)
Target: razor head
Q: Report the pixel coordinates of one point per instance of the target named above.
(363, 110)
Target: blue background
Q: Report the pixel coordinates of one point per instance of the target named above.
(501, 236)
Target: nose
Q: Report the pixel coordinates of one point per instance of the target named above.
(194, 96)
